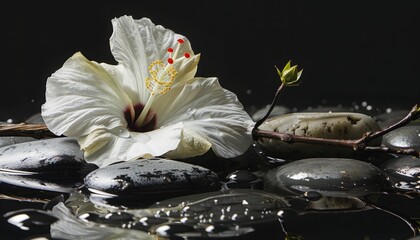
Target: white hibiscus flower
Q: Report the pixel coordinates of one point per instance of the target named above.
(150, 104)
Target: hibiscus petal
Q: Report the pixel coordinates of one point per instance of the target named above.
(103, 147)
(210, 111)
(135, 44)
(81, 96)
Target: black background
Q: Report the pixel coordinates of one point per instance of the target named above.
(351, 51)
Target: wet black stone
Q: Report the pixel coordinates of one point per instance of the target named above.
(403, 168)
(56, 155)
(328, 176)
(403, 172)
(152, 179)
(404, 137)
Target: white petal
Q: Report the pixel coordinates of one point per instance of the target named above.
(192, 144)
(210, 111)
(81, 96)
(135, 44)
(103, 147)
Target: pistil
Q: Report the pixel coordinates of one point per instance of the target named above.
(161, 78)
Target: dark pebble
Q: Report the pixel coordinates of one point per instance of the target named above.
(328, 176)
(152, 179)
(403, 172)
(57, 155)
(404, 137)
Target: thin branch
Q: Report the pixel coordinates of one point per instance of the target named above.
(26, 130)
(411, 116)
(356, 144)
(275, 100)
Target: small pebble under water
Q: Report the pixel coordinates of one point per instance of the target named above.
(266, 197)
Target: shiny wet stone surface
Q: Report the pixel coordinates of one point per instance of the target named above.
(328, 176)
(404, 137)
(151, 179)
(48, 155)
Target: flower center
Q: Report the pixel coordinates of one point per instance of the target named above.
(149, 122)
(161, 79)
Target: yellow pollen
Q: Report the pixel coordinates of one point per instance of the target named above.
(161, 77)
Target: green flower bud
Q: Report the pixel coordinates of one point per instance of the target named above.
(290, 75)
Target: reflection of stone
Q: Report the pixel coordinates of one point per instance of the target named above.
(340, 125)
(48, 183)
(328, 176)
(70, 226)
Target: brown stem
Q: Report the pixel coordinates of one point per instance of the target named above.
(273, 103)
(356, 144)
(26, 130)
(411, 116)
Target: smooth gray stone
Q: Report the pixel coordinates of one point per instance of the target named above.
(334, 177)
(47, 155)
(6, 141)
(339, 125)
(403, 137)
(152, 178)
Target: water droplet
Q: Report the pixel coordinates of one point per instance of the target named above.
(19, 220)
(32, 100)
(9, 120)
(249, 91)
(163, 230)
(388, 110)
(209, 228)
(369, 107)
(364, 104)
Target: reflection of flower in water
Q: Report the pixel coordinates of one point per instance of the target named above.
(150, 104)
(71, 227)
(214, 214)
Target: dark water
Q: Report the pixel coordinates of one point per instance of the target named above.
(42, 207)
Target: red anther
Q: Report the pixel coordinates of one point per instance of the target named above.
(180, 41)
(187, 55)
(170, 60)
(170, 50)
